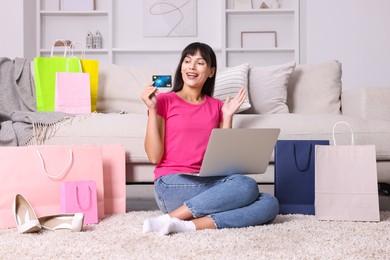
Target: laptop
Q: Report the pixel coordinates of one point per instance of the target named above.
(244, 151)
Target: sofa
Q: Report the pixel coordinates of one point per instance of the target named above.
(304, 101)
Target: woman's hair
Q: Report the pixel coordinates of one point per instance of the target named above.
(208, 55)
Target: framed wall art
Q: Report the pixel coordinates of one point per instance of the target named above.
(170, 18)
(259, 39)
(242, 4)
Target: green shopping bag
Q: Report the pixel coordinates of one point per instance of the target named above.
(45, 69)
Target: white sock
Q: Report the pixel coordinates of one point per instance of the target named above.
(154, 224)
(175, 225)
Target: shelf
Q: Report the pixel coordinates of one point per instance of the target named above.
(75, 13)
(260, 50)
(162, 51)
(119, 50)
(104, 51)
(260, 11)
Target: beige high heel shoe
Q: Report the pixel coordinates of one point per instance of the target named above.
(25, 217)
(73, 222)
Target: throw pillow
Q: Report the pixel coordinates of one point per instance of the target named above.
(228, 82)
(120, 87)
(315, 89)
(268, 88)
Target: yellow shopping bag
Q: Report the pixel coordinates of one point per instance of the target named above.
(92, 67)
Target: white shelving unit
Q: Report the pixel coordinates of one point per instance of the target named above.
(52, 24)
(283, 21)
(119, 22)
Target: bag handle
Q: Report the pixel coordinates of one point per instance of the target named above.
(67, 64)
(60, 42)
(78, 200)
(308, 160)
(72, 48)
(63, 172)
(350, 128)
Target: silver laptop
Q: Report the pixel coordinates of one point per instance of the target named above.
(245, 151)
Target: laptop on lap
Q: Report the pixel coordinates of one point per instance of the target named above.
(244, 151)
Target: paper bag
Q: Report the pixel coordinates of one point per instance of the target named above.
(37, 172)
(294, 175)
(72, 91)
(80, 196)
(346, 182)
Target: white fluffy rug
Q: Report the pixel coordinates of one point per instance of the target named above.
(289, 237)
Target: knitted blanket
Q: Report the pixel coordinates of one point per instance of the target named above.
(18, 115)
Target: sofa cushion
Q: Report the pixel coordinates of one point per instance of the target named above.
(268, 88)
(229, 81)
(367, 103)
(120, 87)
(315, 88)
(320, 127)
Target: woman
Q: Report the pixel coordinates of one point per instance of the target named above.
(179, 126)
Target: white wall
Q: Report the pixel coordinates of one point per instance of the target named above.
(17, 28)
(352, 31)
(11, 28)
(131, 34)
(355, 32)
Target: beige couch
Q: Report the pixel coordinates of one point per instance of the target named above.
(304, 101)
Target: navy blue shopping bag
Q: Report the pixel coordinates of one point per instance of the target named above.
(294, 175)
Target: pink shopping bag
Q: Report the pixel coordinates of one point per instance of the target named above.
(72, 92)
(114, 168)
(80, 196)
(346, 182)
(37, 172)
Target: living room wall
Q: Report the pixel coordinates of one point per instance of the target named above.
(352, 31)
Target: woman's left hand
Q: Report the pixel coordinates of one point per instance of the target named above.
(231, 105)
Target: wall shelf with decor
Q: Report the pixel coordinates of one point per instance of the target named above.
(53, 23)
(75, 13)
(125, 41)
(260, 36)
(260, 11)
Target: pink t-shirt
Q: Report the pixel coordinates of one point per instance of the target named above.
(187, 132)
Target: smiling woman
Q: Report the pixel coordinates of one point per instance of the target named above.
(178, 130)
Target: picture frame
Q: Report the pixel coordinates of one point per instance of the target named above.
(77, 5)
(259, 39)
(242, 4)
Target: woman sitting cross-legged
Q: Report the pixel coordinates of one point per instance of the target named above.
(178, 129)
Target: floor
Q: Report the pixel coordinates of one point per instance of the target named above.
(140, 197)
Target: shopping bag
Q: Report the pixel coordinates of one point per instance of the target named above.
(80, 196)
(72, 91)
(294, 175)
(92, 68)
(45, 69)
(37, 172)
(346, 182)
(114, 174)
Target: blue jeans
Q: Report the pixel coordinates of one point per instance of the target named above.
(231, 201)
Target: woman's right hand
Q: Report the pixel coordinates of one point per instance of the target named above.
(148, 96)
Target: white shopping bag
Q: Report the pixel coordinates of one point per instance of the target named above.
(346, 182)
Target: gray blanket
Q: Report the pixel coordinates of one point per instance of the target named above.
(18, 115)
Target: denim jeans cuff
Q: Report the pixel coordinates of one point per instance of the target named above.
(214, 220)
(191, 209)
